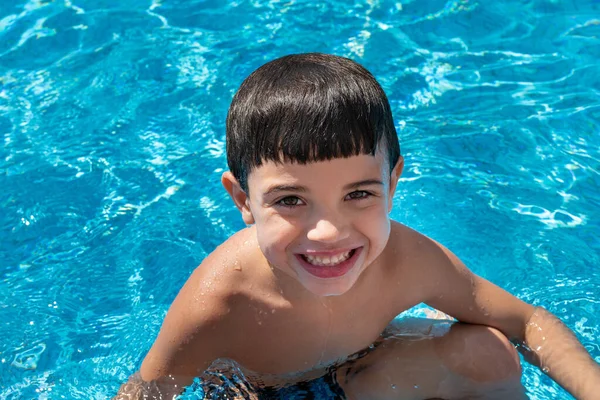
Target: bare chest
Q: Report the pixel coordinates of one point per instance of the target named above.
(280, 340)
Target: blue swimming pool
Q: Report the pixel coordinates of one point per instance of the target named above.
(112, 121)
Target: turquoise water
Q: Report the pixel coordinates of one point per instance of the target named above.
(112, 121)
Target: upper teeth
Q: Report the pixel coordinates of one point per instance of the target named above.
(322, 260)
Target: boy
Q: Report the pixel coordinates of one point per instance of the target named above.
(322, 270)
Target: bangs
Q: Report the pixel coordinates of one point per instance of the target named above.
(312, 128)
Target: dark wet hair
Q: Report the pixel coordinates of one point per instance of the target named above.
(304, 108)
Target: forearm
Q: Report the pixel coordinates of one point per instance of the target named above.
(552, 346)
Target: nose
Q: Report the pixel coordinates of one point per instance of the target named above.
(328, 230)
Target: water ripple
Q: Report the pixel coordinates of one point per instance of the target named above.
(28, 359)
(112, 124)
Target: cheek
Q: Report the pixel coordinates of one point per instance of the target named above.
(275, 235)
(376, 225)
(376, 215)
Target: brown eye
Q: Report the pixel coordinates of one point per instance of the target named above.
(357, 195)
(290, 201)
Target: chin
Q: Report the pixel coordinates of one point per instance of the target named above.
(329, 287)
(327, 292)
(333, 293)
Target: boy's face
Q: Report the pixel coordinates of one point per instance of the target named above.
(322, 223)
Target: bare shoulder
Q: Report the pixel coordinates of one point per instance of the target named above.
(408, 246)
(198, 326)
(224, 274)
(231, 267)
(411, 246)
(401, 236)
(421, 262)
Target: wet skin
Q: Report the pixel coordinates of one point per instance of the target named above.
(256, 301)
(425, 359)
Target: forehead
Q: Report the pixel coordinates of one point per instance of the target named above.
(337, 170)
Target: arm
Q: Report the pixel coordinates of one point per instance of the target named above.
(547, 342)
(193, 335)
(552, 346)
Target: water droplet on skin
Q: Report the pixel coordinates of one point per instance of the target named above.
(416, 386)
(273, 311)
(546, 370)
(237, 265)
(393, 386)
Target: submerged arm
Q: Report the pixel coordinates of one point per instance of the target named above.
(137, 389)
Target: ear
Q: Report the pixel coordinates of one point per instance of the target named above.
(394, 176)
(240, 198)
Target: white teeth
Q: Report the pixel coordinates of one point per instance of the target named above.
(321, 260)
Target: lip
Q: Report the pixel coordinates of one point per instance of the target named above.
(328, 272)
(328, 253)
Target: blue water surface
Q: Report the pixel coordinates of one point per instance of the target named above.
(113, 141)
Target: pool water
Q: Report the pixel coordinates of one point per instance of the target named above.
(112, 126)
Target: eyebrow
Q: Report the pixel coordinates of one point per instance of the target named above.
(301, 189)
(366, 182)
(285, 188)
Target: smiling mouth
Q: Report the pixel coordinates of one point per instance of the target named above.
(333, 266)
(325, 261)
